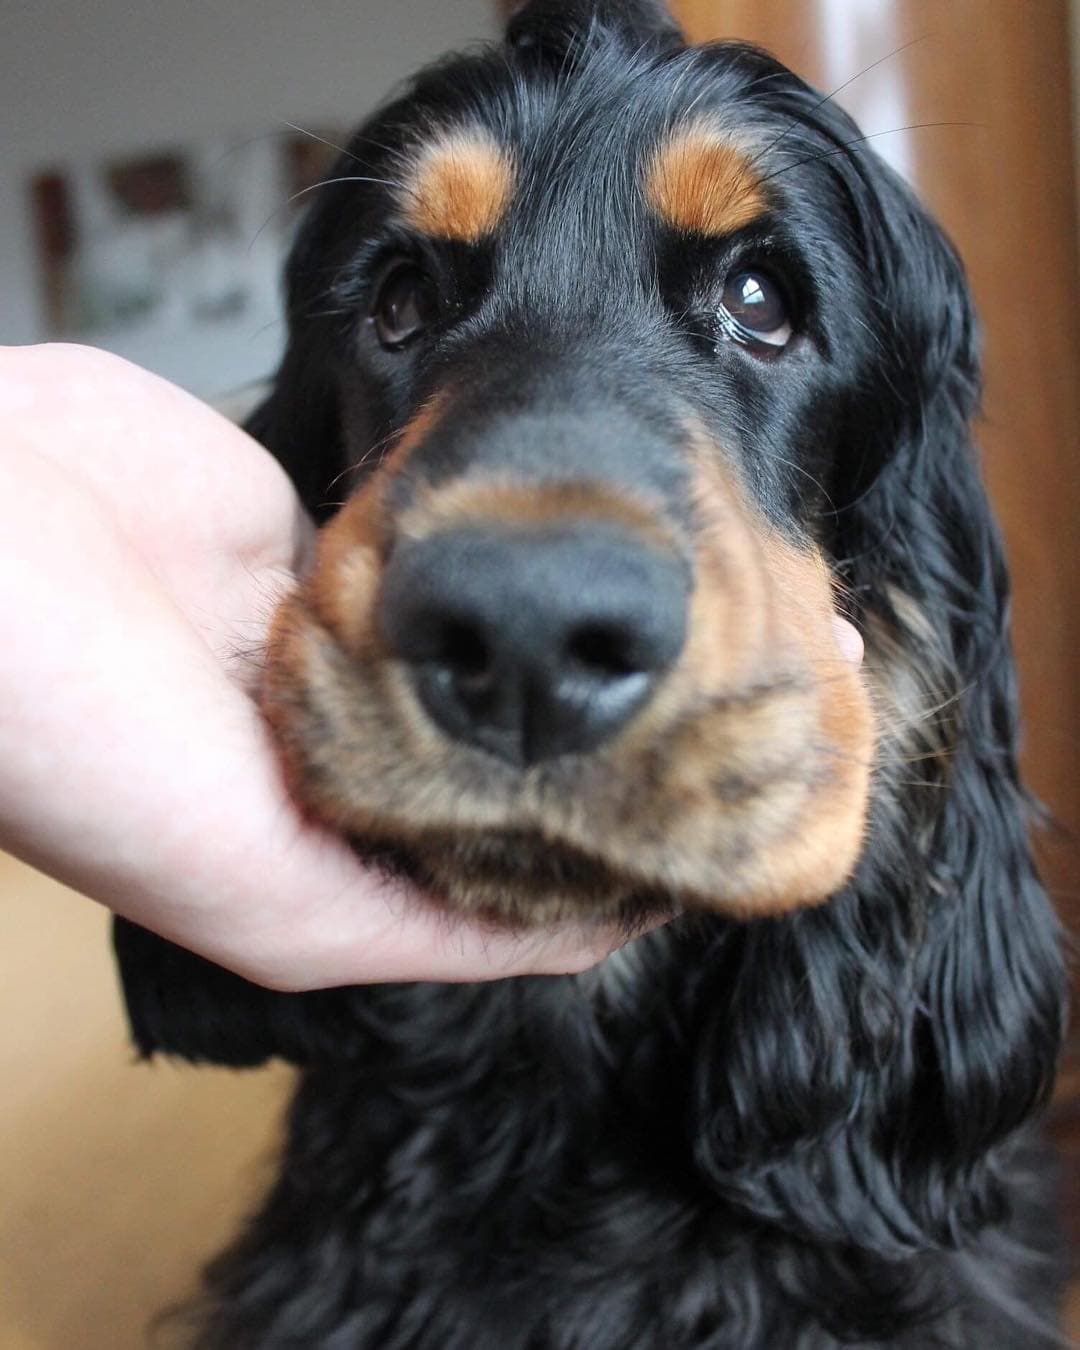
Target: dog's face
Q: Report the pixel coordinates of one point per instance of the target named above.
(602, 353)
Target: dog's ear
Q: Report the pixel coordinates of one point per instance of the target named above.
(300, 420)
(861, 1068)
(554, 25)
(299, 423)
(178, 1004)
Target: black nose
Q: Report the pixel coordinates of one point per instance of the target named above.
(533, 644)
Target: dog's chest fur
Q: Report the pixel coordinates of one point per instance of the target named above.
(510, 1167)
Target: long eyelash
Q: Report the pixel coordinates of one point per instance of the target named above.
(729, 329)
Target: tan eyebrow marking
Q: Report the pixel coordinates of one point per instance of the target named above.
(700, 181)
(459, 187)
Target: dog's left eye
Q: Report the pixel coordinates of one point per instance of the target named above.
(754, 311)
(406, 303)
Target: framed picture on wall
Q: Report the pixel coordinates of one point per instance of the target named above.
(171, 256)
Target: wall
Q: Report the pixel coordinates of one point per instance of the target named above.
(117, 77)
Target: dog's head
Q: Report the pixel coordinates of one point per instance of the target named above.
(588, 331)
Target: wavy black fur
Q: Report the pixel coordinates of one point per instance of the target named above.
(799, 1132)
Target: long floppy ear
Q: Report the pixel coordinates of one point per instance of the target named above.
(300, 420)
(859, 1069)
(178, 1004)
(552, 25)
(299, 423)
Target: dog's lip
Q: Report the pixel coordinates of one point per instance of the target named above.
(643, 905)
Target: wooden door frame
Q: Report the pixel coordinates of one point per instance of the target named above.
(1006, 193)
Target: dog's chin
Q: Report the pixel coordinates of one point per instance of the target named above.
(516, 879)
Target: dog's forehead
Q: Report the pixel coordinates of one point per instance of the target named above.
(610, 143)
(460, 184)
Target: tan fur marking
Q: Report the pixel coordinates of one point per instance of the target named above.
(701, 182)
(459, 187)
(512, 504)
(351, 548)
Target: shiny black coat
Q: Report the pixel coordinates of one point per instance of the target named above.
(804, 1131)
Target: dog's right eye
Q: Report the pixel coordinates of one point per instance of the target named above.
(406, 304)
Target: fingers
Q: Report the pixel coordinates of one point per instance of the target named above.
(180, 480)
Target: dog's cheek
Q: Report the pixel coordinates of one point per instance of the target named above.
(333, 718)
(324, 692)
(828, 840)
(770, 840)
(724, 788)
(827, 837)
(752, 800)
(764, 797)
(303, 701)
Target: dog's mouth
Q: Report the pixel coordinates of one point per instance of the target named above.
(739, 785)
(517, 877)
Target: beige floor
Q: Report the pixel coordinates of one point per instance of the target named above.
(116, 1179)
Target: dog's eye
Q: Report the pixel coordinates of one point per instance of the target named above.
(406, 303)
(754, 311)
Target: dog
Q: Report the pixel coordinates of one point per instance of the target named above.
(645, 380)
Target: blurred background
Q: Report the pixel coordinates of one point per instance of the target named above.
(151, 152)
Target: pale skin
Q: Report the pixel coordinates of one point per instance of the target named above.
(144, 541)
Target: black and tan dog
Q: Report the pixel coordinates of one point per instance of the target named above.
(639, 368)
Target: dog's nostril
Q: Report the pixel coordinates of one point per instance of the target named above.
(465, 651)
(603, 649)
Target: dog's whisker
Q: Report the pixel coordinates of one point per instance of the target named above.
(833, 94)
(848, 146)
(314, 187)
(314, 136)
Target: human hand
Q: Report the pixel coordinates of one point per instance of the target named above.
(146, 541)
